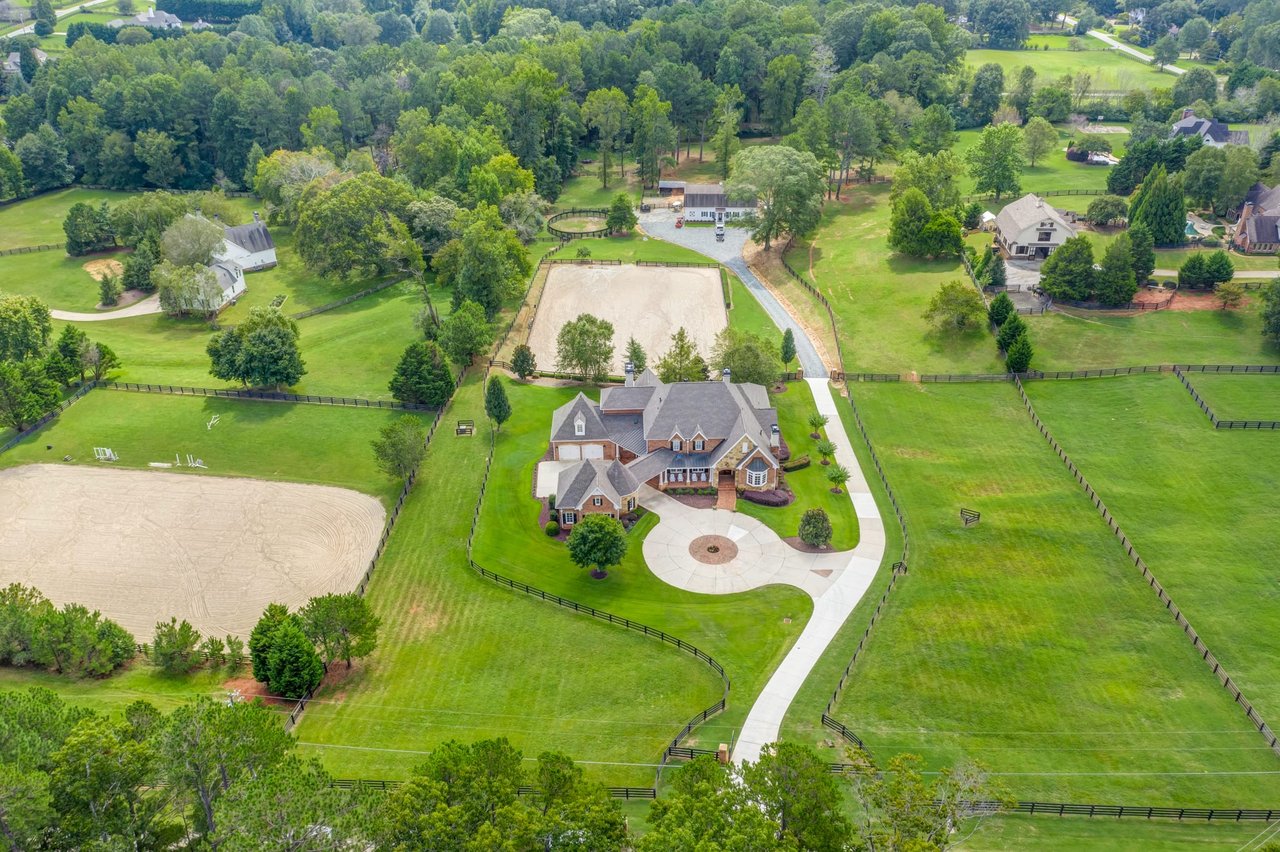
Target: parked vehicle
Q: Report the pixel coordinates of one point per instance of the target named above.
(679, 221)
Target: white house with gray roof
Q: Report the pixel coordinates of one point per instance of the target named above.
(249, 245)
(151, 19)
(683, 435)
(1030, 229)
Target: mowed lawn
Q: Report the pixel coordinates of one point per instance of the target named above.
(60, 281)
(747, 633)
(1111, 70)
(349, 351)
(320, 444)
(880, 298)
(139, 681)
(1174, 258)
(461, 657)
(1029, 642)
(1068, 342)
(1053, 172)
(1033, 833)
(1198, 503)
(810, 484)
(38, 221)
(1239, 397)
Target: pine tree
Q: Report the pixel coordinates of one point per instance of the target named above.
(422, 377)
(1068, 273)
(294, 667)
(995, 272)
(1012, 329)
(1000, 309)
(1142, 249)
(1116, 283)
(1018, 359)
(496, 404)
(260, 640)
(1161, 208)
(636, 355)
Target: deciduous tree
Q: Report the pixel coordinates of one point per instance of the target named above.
(1068, 272)
(996, 162)
(190, 241)
(788, 185)
(342, 626)
(788, 348)
(956, 307)
(748, 357)
(523, 364)
(1040, 138)
(25, 326)
(496, 404)
(26, 393)
(584, 346)
(621, 218)
(597, 542)
(260, 352)
(465, 333)
(400, 446)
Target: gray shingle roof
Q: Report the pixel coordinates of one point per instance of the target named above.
(253, 237)
(1263, 229)
(562, 421)
(711, 195)
(1026, 212)
(583, 479)
(627, 431)
(625, 399)
(227, 273)
(1263, 197)
(712, 409)
(1209, 128)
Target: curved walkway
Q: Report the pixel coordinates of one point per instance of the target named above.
(141, 308)
(848, 582)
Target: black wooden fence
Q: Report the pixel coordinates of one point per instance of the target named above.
(1205, 654)
(598, 212)
(585, 609)
(822, 300)
(264, 396)
(32, 249)
(1217, 422)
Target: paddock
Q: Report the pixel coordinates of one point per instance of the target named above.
(645, 302)
(142, 546)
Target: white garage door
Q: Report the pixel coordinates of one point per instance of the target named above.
(593, 451)
(570, 452)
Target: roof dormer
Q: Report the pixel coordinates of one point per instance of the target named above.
(579, 425)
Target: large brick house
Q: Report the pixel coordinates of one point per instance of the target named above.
(684, 435)
(1258, 229)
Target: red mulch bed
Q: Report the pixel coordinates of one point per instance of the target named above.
(1184, 300)
(796, 543)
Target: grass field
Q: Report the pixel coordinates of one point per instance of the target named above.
(1240, 397)
(1174, 258)
(1112, 71)
(60, 281)
(139, 681)
(1054, 172)
(460, 657)
(1064, 342)
(631, 248)
(1029, 642)
(1121, 835)
(38, 220)
(1197, 503)
(327, 445)
(746, 633)
(810, 484)
(349, 351)
(880, 298)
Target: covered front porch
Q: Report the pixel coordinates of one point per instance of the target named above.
(692, 471)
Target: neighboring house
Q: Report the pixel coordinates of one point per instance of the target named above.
(249, 245)
(1214, 133)
(707, 202)
(230, 279)
(13, 62)
(1258, 229)
(1030, 229)
(689, 434)
(595, 487)
(151, 19)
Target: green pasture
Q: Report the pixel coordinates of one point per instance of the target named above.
(1112, 70)
(1198, 503)
(1069, 342)
(318, 444)
(38, 221)
(812, 490)
(879, 297)
(747, 314)
(461, 657)
(1102, 834)
(1053, 172)
(1029, 642)
(747, 633)
(349, 351)
(57, 279)
(1240, 397)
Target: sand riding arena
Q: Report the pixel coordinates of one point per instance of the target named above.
(645, 302)
(142, 546)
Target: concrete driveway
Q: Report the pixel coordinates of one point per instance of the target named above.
(142, 308)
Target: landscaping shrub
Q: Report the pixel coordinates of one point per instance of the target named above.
(175, 648)
(815, 528)
(294, 667)
(109, 289)
(552, 528)
(796, 464)
(769, 498)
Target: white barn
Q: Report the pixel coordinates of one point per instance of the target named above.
(249, 245)
(230, 280)
(708, 202)
(1029, 229)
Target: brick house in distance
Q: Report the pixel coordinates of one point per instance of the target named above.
(684, 435)
(1258, 228)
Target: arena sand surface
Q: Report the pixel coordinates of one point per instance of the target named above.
(142, 546)
(645, 302)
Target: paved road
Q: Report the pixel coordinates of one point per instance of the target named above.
(831, 607)
(141, 308)
(61, 13)
(1125, 48)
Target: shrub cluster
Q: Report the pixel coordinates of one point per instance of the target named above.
(798, 463)
(769, 498)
